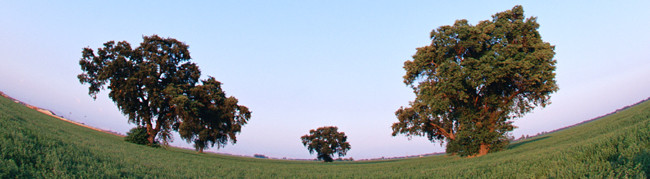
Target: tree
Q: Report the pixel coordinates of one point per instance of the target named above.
(326, 141)
(473, 80)
(149, 83)
(209, 116)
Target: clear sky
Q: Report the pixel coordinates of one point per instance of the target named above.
(299, 65)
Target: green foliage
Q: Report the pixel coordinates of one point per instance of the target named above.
(473, 79)
(138, 135)
(209, 116)
(155, 85)
(34, 145)
(326, 141)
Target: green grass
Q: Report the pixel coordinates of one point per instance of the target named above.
(34, 145)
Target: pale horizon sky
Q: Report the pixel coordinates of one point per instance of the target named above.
(302, 65)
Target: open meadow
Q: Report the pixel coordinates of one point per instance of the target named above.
(35, 145)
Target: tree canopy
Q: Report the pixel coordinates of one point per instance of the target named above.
(209, 116)
(474, 79)
(155, 85)
(326, 141)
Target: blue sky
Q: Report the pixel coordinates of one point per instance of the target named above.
(301, 65)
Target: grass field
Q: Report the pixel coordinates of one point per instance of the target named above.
(34, 145)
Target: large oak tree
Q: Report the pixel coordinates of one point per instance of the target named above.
(474, 79)
(155, 85)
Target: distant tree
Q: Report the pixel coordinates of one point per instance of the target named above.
(472, 80)
(260, 156)
(155, 84)
(209, 116)
(326, 141)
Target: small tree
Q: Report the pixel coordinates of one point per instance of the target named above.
(326, 141)
(137, 135)
(473, 79)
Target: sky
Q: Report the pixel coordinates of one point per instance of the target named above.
(300, 65)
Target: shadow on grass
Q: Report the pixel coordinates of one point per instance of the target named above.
(515, 145)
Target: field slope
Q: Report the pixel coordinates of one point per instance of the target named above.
(34, 145)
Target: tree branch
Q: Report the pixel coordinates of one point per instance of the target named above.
(443, 131)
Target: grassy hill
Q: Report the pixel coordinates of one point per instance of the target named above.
(35, 145)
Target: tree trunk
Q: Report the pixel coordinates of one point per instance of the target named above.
(485, 148)
(151, 139)
(200, 150)
(151, 133)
